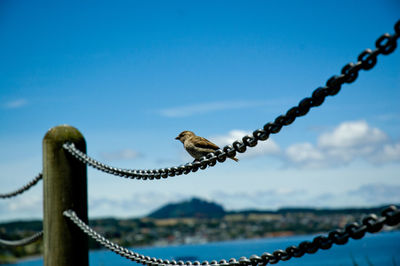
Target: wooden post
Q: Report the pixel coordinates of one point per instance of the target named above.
(64, 187)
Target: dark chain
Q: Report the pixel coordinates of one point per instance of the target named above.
(22, 242)
(385, 45)
(371, 223)
(22, 189)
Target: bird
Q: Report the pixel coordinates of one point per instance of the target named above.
(197, 146)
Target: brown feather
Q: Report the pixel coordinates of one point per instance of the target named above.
(204, 143)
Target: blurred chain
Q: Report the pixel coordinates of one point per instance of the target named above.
(22, 189)
(385, 45)
(22, 242)
(371, 223)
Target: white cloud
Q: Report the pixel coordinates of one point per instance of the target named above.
(125, 154)
(352, 134)
(201, 108)
(261, 199)
(268, 147)
(138, 205)
(389, 153)
(143, 203)
(365, 195)
(21, 207)
(15, 104)
(304, 154)
(349, 141)
(376, 193)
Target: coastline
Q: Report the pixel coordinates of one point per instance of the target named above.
(387, 242)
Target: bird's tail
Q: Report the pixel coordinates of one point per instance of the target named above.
(234, 158)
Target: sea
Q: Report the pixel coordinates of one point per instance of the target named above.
(374, 249)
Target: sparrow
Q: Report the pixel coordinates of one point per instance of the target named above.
(197, 146)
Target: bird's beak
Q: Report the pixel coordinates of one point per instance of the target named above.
(177, 138)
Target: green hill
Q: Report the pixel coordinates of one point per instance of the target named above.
(195, 208)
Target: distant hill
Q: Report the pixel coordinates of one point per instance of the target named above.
(316, 211)
(198, 208)
(195, 207)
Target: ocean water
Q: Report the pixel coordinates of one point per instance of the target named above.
(374, 249)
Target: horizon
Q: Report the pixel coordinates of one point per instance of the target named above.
(131, 76)
(380, 206)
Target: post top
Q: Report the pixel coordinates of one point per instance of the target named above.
(64, 133)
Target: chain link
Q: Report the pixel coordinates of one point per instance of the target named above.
(22, 189)
(371, 223)
(385, 45)
(22, 242)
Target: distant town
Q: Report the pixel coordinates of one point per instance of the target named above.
(195, 221)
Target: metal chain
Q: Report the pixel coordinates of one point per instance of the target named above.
(36, 236)
(371, 223)
(22, 242)
(385, 45)
(22, 189)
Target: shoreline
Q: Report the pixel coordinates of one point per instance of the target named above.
(278, 235)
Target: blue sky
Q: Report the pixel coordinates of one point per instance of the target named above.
(132, 75)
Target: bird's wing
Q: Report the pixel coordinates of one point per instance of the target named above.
(205, 143)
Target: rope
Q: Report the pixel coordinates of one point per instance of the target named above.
(372, 224)
(22, 242)
(385, 45)
(22, 189)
